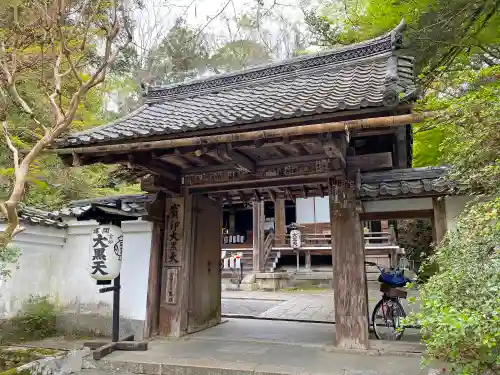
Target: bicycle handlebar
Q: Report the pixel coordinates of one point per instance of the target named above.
(380, 268)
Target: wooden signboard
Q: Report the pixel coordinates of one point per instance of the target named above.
(262, 173)
(174, 250)
(171, 289)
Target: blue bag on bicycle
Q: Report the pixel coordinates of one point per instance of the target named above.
(395, 279)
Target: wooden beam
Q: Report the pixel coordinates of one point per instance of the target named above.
(196, 160)
(175, 160)
(396, 215)
(401, 145)
(215, 155)
(289, 195)
(336, 148)
(272, 195)
(155, 183)
(439, 222)
(370, 162)
(295, 149)
(243, 197)
(274, 171)
(321, 190)
(153, 166)
(256, 195)
(296, 159)
(377, 122)
(156, 209)
(279, 221)
(241, 162)
(304, 191)
(281, 151)
(260, 184)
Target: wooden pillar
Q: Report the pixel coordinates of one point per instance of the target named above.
(349, 276)
(279, 221)
(156, 214)
(439, 222)
(191, 289)
(232, 222)
(258, 236)
(362, 235)
(308, 259)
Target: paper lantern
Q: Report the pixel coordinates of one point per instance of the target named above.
(105, 252)
(295, 239)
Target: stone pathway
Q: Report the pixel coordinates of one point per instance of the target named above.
(256, 347)
(314, 306)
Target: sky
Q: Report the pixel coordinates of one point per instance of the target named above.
(215, 17)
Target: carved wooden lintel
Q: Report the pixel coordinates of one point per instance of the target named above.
(265, 172)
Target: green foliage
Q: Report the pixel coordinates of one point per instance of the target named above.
(415, 236)
(13, 357)
(440, 32)
(36, 320)
(469, 124)
(237, 55)
(427, 145)
(460, 305)
(8, 259)
(457, 49)
(182, 54)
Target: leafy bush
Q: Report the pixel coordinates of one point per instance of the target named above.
(37, 320)
(415, 236)
(460, 305)
(8, 255)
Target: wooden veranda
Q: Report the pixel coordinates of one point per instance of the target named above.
(317, 125)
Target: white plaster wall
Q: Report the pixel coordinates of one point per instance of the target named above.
(54, 262)
(74, 285)
(40, 247)
(454, 206)
(309, 209)
(393, 205)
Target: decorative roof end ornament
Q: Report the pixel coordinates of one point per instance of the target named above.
(144, 89)
(397, 34)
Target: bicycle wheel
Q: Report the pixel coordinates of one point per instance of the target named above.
(386, 319)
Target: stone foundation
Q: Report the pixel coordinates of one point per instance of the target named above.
(98, 325)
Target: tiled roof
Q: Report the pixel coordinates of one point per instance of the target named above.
(406, 182)
(33, 216)
(134, 204)
(368, 74)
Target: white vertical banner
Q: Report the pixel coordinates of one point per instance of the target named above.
(105, 252)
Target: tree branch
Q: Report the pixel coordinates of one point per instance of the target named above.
(15, 152)
(56, 109)
(118, 22)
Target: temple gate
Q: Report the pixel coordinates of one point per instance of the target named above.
(313, 126)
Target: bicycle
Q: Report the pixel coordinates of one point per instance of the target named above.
(389, 309)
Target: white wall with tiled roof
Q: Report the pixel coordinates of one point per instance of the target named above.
(54, 263)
